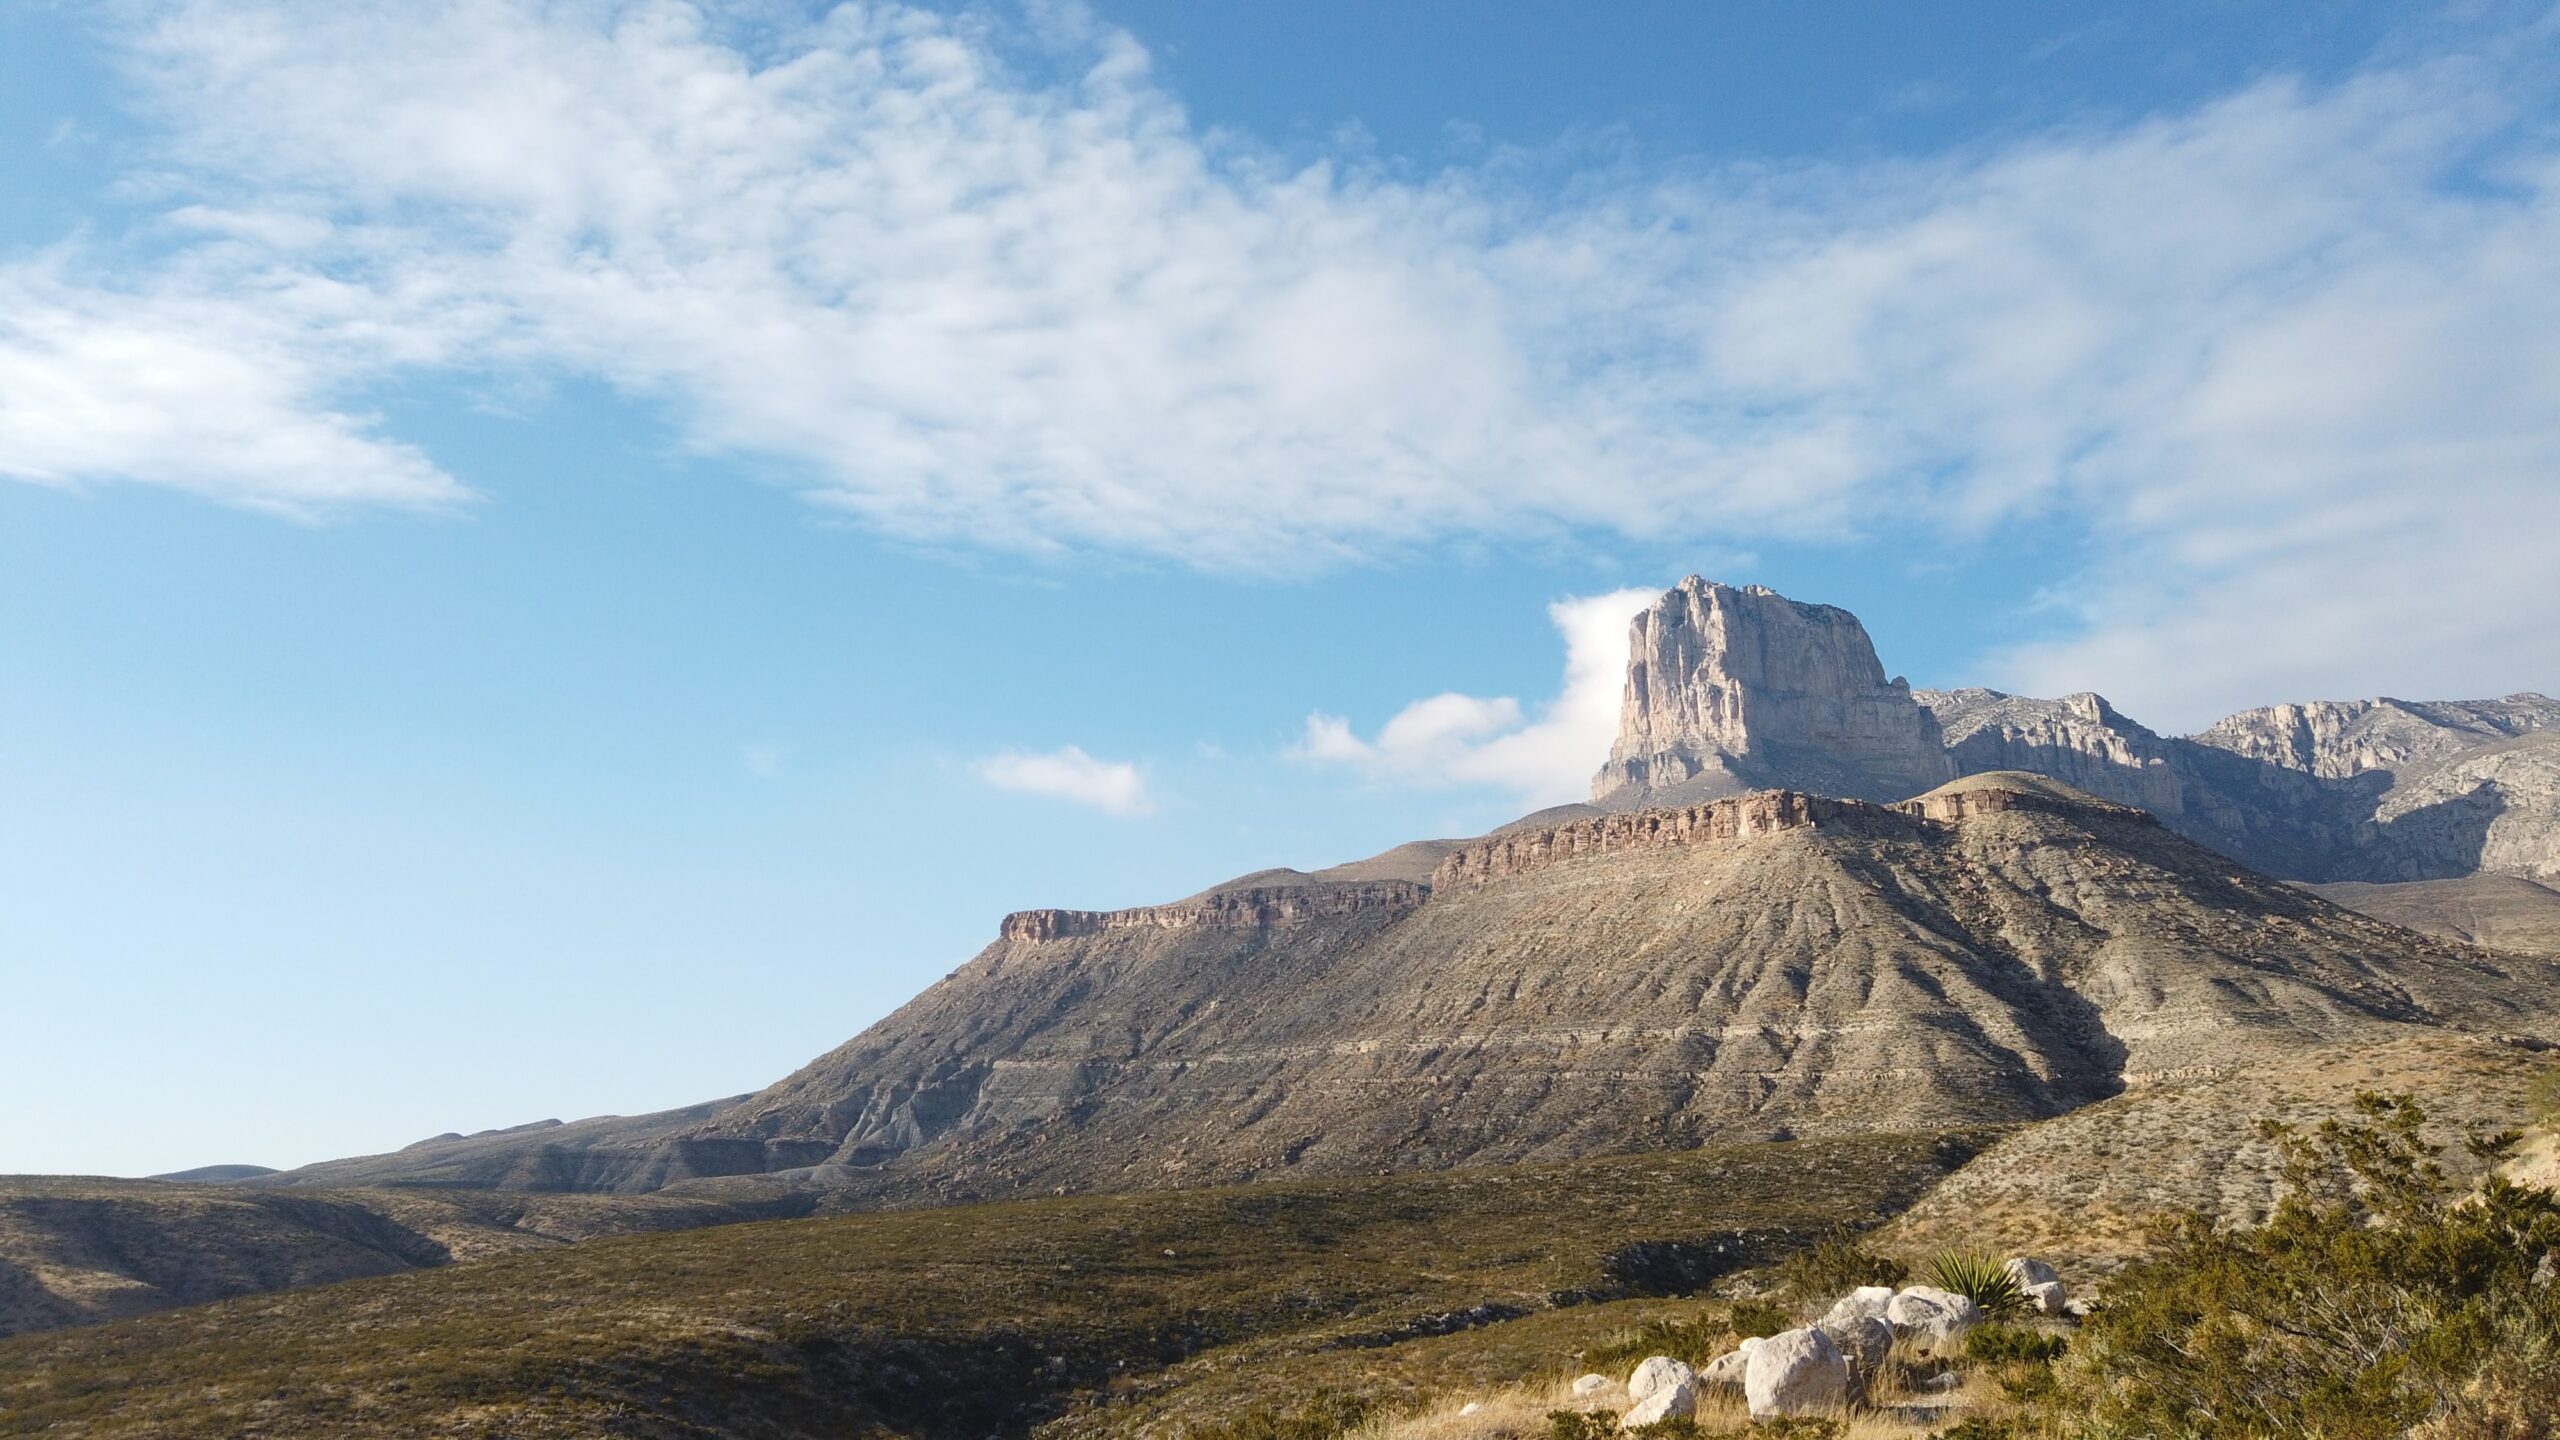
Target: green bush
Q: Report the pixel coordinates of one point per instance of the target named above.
(2010, 1345)
(2542, 1101)
(1600, 1425)
(2379, 1300)
(1581, 1425)
(1980, 1427)
(1758, 1317)
(1695, 1341)
(1324, 1416)
(1983, 1279)
(1834, 1266)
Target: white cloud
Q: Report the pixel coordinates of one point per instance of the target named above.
(1455, 739)
(2286, 367)
(1114, 787)
(223, 395)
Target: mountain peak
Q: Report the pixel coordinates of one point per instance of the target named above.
(1735, 689)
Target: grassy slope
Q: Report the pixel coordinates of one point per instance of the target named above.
(1098, 1310)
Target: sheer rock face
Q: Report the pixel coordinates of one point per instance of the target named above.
(1730, 690)
(1737, 689)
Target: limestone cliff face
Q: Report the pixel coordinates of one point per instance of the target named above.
(1220, 910)
(1730, 690)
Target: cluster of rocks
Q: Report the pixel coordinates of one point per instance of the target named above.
(1835, 1362)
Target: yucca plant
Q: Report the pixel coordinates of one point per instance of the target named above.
(1983, 1279)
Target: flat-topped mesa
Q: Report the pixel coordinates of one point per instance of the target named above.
(1734, 818)
(1730, 690)
(1220, 910)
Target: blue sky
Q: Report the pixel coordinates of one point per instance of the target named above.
(563, 559)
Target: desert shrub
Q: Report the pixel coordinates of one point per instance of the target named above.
(2011, 1345)
(1983, 1279)
(1834, 1266)
(2542, 1099)
(1578, 1425)
(1695, 1341)
(1758, 1317)
(2380, 1296)
(1979, 1427)
(1581, 1425)
(1324, 1416)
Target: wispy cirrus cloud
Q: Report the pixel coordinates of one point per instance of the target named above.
(1114, 787)
(984, 282)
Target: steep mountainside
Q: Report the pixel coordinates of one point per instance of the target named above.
(1776, 964)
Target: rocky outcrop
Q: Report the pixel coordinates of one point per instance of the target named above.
(1740, 689)
(1223, 910)
(1518, 852)
(1734, 689)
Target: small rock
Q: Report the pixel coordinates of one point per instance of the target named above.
(1675, 1401)
(1943, 1380)
(1658, 1373)
(1796, 1372)
(1590, 1384)
(2079, 1309)
(1471, 1407)
(2047, 1297)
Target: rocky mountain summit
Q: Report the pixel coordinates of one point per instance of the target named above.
(1734, 690)
(1737, 688)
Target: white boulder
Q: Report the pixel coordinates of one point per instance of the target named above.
(1725, 1372)
(1930, 1318)
(1796, 1372)
(2048, 1298)
(1659, 1373)
(1590, 1384)
(1866, 1300)
(2031, 1272)
(1864, 1342)
(1677, 1400)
